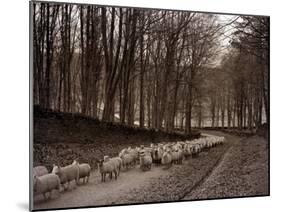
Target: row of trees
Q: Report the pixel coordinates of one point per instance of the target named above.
(241, 94)
(153, 68)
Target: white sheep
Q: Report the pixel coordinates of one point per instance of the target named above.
(106, 158)
(195, 149)
(127, 160)
(46, 184)
(135, 154)
(67, 174)
(108, 167)
(123, 151)
(187, 150)
(176, 146)
(157, 154)
(116, 160)
(166, 159)
(145, 161)
(40, 171)
(118, 164)
(84, 171)
(177, 156)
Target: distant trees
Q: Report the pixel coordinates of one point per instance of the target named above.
(245, 73)
(252, 37)
(148, 67)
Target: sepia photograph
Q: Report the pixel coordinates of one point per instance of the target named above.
(142, 105)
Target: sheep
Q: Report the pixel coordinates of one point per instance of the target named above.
(118, 164)
(167, 146)
(135, 154)
(177, 146)
(108, 167)
(67, 174)
(145, 149)
(157, 154)
(122, 152)
(127, 160)
(187, 150)
(45, 184)
(84, 171)
(177, 156)
(166, 159)
(116, 160)
(204, 145)
(221, 140)
(145, 161)
(195, 150)
(106, 158)
(39, 171)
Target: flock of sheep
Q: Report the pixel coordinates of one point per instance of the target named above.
(164, 154)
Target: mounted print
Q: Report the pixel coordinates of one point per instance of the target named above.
(141, 105)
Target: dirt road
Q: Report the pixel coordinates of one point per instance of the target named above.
(192, 180)
(243, 171)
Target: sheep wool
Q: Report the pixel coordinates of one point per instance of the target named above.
(84, 171)
(46, 183)
(145, 162)
(67, 173)
(127, 160)
(108, 167)
(118, 164)
(167, 159)
(39, 171)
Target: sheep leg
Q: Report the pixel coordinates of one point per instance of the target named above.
(58, 193)
(50, 196)
(115, 173)
(58, 189)
(64, 186)
(77, 180)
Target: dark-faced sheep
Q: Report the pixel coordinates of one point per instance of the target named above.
(177, 156)
(145, 161)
